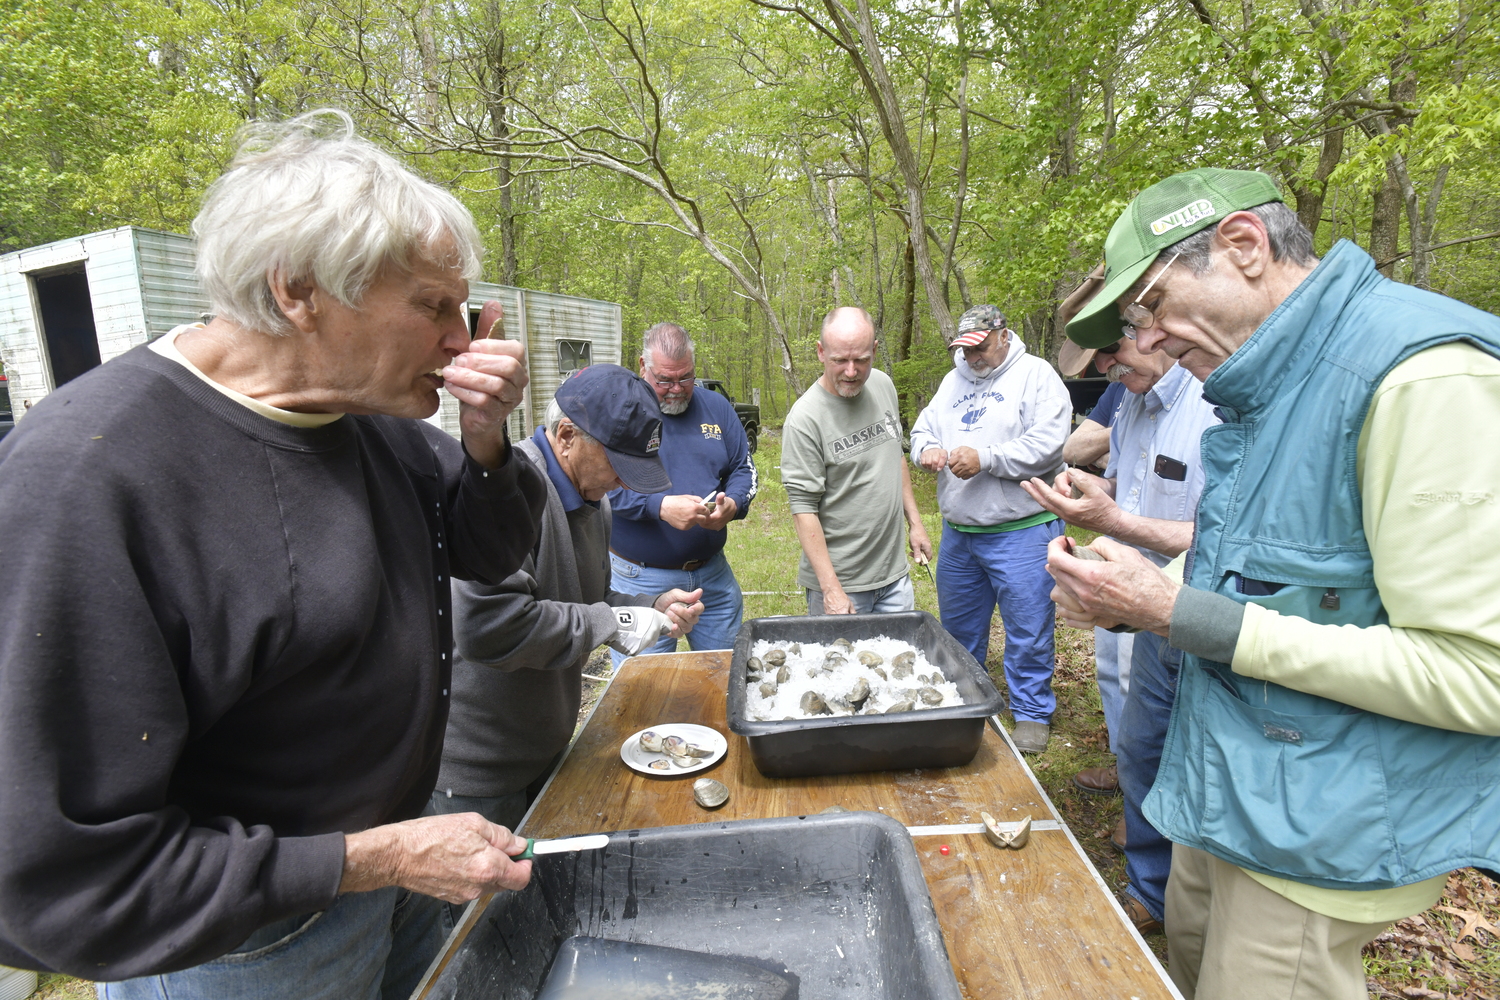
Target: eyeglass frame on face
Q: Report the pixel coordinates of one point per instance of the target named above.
(679, 383)
(1139, 323)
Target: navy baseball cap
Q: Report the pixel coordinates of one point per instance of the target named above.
(616, 407)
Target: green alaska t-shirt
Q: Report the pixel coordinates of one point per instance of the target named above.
(841, 460)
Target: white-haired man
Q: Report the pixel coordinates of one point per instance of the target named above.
(225, 624)
(664, 540)
(1332, 750)
(847, 481)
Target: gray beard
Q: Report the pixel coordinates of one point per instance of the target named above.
(675, 407)
(1118, 371)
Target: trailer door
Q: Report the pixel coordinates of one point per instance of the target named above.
(65, 314)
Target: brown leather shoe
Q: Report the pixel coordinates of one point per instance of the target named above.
(1136, 912)
(1117, 838)
(1099, 780)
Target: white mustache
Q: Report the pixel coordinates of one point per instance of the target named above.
(1118, 371)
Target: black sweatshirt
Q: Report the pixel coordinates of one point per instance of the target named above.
(224, 641)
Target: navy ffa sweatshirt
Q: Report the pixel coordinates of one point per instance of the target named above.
(224, 642)
(705, 451)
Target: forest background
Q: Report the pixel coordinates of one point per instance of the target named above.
(742, 166)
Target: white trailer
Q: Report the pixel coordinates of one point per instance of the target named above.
(68, 306)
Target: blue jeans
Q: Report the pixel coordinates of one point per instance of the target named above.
(1112, 668)
(975, 572)
(366, 946)
(723, 604)
(893, 597)
(1148, 708)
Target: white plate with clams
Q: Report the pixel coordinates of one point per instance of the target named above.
(673, 749)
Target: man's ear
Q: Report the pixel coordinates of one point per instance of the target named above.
(1245, 242)
(294, 299)
(566, 435)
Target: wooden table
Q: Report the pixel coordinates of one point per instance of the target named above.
(1029, 923)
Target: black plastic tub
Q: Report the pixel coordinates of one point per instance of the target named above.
(932, 737)
(837, 904)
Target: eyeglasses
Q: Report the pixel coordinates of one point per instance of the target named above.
(1138, 317)
(668, 383)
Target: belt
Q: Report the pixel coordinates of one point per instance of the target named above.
(688, 566)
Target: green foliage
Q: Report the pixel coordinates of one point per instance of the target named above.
(722, 164)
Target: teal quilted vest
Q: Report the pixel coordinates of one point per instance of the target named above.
(1275, 780)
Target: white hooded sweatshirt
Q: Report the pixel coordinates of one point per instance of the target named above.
(1016, 418)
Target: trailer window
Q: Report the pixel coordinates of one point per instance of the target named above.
(573, 355)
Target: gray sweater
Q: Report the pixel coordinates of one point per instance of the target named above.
(521, 647)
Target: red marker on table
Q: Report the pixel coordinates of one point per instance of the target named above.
(943, 850)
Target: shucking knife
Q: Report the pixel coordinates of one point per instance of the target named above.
(535, 847)
(922, 562)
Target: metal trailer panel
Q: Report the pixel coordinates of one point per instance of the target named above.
(170, 293)
(539, 320)
(114, 290)
(551, 318)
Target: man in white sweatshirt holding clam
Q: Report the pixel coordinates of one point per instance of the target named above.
(998, 419)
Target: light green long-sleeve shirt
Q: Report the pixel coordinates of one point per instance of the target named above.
(1430, 478)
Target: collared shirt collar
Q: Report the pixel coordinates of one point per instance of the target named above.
(566, 491)
(1168, 390)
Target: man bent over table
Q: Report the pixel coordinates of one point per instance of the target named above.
(1332, 752)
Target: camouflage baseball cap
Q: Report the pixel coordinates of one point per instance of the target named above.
(1168, 211)
(976, 323)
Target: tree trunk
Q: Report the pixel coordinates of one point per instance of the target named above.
(1311, 194)
(1385, 221)
(864, 50)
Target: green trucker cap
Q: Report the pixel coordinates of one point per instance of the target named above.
(1164, 213)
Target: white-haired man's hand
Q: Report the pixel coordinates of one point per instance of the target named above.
(487, 380)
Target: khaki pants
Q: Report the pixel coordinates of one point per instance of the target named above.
(1229, 937)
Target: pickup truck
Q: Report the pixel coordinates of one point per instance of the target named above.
(748, 413)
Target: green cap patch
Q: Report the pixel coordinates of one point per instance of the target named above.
(1168, 211)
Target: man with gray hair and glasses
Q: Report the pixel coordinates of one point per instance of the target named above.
(672, 540)
(226, 621)
(1332, 752)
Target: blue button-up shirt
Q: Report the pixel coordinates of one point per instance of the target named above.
(1164, 422)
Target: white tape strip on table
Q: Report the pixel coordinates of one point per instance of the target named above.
(1037, 825)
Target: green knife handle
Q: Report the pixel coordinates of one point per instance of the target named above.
(530, 843)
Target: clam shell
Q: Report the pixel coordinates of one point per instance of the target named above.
(651, 742)
(710, 794)
(930, 696)
(869, 659)
(1013, 835)
(845, 643)
(684, 760)
(694, 750)
(754, 665)
(776, 657)
(660, 764)
(813, 704)
(768, 689)
(901, 706)
(795, 649)
(672, 744)
(859, 693)
(783, 675)
(879, 672)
